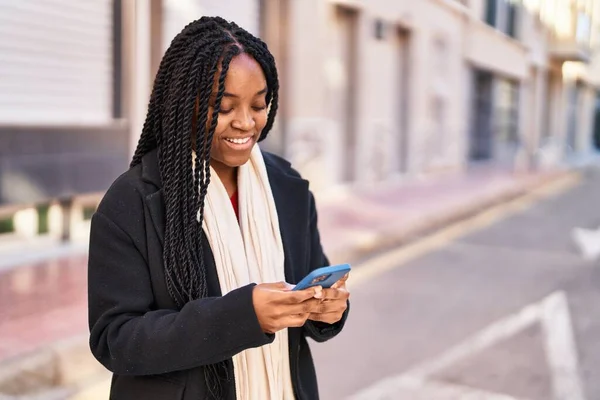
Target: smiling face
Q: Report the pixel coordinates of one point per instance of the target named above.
(243, 114)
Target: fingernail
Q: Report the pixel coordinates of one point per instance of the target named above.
(318, 292)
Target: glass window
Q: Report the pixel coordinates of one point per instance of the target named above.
(491, 11)
(503, 15)
(507, 111)
(511, 21)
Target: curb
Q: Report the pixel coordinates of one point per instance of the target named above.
(382, 240)
(59, 371)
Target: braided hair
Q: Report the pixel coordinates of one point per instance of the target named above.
(179, 104)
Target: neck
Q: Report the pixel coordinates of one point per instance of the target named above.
(227, 175)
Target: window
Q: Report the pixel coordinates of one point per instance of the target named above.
(511, 23)
(507, 111)
(481, 138)
(583, 30)
(439, 98)
(503, 15)
(490, 12)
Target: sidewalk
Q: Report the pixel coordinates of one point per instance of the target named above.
(364, 221)
(44, 301)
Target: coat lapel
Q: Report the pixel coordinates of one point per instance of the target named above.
(154, 200)
(156, 208)
(292, 203)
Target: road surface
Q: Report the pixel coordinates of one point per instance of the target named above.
(502, 307)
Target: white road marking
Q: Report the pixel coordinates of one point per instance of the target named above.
(553, 314)
(489, 336)
(561, 349)
(588, 242)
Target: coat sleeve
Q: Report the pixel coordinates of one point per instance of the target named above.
(320, 331)
(129, 336)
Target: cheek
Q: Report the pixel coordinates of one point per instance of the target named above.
(261, 121)
(222, 124)
(221, 127)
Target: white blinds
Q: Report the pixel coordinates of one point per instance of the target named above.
(55, 62)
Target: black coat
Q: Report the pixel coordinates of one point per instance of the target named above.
(157, 351)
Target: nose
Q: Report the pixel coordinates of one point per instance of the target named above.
(244, 121)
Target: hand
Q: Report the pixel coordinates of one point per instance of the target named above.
(278, 307)
(333, 304)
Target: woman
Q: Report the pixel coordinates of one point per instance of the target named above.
(190, 248)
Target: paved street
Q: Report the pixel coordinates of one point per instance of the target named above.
(510, 311)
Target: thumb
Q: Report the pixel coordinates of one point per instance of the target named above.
(307, 294)
(280, 286)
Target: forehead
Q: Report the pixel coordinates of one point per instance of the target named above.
(244, 74)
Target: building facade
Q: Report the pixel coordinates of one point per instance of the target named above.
(378, 89)
(61, 127)
(371, 90)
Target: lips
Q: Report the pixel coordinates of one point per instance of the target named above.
(239, 140)
(239, 143)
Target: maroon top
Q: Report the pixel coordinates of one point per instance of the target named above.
(234, 203)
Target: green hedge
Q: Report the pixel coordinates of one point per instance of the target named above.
(43, 226)
(7, 225)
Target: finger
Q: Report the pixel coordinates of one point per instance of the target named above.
(282, 286)
(331, 294)
(328, 318)
(295, 321)
(318, 292)
(299, 296)
(288, 287)
(333, 306)
(341, 282)
(306, 307)
(335, 294)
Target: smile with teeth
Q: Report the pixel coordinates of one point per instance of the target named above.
(238, 141)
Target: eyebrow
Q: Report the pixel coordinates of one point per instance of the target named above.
(227, 94)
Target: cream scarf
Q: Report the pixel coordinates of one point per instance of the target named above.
(246, 252)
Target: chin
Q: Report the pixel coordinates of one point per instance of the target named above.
(235, 160)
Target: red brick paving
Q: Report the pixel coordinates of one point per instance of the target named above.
(42, 303)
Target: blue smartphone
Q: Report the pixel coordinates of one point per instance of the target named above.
(324, 277)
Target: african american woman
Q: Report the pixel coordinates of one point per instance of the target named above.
(194, 250)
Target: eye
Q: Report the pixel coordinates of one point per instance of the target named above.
(225, 111)
(260, 108)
